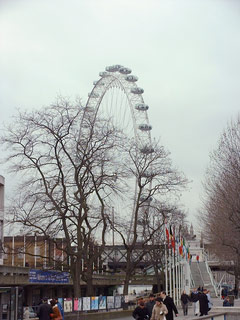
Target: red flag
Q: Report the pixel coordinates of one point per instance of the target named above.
(180, 250)
(172, 238)
(167, 235)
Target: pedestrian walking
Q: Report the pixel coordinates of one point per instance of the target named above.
(159, 310)
(44, 310)
(197, 258)
(168, 301)
(60, 308)
(235, 291)
(56, 314)
(141, 312)
(210, 304)
(150, 304)
(26, 313)
(224, 293)
(184, 301)
(203, 303)
(226, 302)
(195, 301)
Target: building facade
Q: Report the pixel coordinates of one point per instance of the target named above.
(35, 252)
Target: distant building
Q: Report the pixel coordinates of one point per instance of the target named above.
(35, 252)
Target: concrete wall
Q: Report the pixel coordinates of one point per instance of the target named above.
(98, 315)
(233, 316)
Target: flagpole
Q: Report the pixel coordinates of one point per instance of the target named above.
(24, 249)
(45, 254)
(177, 282)
(173, 267)
(179, 270)
(170, 271)
(166, 262)
(177, 261)
(35, 251)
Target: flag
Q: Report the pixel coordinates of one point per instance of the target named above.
(167, 236)
(172, 238)
(180, 248)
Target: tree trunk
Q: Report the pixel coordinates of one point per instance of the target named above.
(126, 282)
(76, 288)
(128, 273)
(89, 282)
(158, 278)
(75, 273)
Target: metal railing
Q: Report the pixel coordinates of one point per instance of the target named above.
(211, 276)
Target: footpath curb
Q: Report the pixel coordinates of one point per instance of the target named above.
(98, 315)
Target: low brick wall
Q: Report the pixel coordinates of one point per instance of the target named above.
(98, 315)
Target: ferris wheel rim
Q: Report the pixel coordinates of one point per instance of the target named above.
(104, 84)
(133, 93)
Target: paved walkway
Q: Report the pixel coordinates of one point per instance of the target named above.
(217, 302)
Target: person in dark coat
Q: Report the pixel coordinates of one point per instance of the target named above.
(168, 301)
(44, 310)
(150, 304)
(195, 300)
(141, 312)
(184, 301)
(235, 291)
(226, 302)
(224, 293)
(203, 303)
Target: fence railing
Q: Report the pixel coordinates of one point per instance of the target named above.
(211, 276)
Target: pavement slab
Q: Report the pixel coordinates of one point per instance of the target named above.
(217, 302)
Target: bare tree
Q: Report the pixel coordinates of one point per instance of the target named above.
(74, 166)
(67, 160)
(221, 204)
(156, 182)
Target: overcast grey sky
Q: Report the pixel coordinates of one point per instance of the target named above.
(185, 53)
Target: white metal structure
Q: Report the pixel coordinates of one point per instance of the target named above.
(117, 96)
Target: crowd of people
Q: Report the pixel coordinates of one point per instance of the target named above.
(228, 296)
(163, 307)
(201, 301)
(159, 308)
(46, 311)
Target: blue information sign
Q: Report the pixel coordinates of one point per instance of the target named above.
(48, 276)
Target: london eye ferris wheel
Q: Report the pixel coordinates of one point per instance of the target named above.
(118, 97)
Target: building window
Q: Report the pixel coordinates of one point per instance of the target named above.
(37, 251)
(5, 254)
(20, 252)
